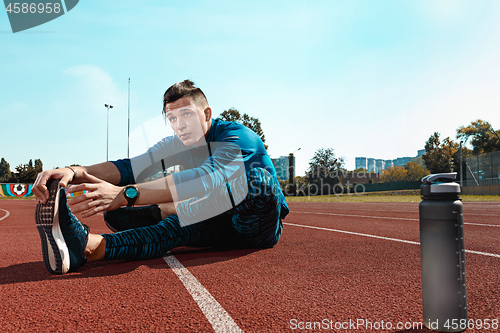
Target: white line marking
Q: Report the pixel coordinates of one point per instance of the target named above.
(6, 215)
(215, 313)
(349, 215)
(391, 218)
(414, 211)
(484, 225)
(355, 233)
(384, 238)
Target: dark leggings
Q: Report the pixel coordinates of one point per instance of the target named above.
(252, 222)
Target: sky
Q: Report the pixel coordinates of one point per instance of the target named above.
(366, 78)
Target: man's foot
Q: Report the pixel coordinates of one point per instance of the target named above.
(132, 217)
(63, 237)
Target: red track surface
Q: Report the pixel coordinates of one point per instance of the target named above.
(311, 275)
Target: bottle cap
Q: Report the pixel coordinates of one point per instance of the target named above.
(440, 184)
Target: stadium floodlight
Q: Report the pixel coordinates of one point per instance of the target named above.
(461, 172)
(107, 130)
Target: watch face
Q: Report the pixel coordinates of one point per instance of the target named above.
(131, 192)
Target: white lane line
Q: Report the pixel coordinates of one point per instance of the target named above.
(391, 218)
(349, 215)
(415, 212)
(384, 238)
(484, 225)
(6, 215)
(221, 321)
(355, 233)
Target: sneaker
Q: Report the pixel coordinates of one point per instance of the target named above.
(63, 237)
(132, 217)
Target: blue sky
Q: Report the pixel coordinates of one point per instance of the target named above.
(366, 78)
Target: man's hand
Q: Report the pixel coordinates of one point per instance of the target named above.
(40, 187)
(100, 196)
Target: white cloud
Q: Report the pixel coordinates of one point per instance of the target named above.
(95, 87)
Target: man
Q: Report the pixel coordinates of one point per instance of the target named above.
(228, 194)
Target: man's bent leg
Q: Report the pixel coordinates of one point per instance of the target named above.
(255, 217)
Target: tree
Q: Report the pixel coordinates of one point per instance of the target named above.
(393, 174)
(252, 123)
(415, 172)
(325, 170)
(484, 138)
(26, 173)
(5, 173)
(38, 167)
(419, 161)
(441, 156)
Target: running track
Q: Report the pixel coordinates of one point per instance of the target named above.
(336, 262)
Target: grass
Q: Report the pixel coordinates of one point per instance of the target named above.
(386, 196)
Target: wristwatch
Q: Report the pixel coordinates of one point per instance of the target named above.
(131, 194)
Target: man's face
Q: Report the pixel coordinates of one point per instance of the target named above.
(188, 121)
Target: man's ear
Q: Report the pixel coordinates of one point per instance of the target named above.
(208, 113)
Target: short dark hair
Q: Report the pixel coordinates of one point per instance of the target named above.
(182, 89)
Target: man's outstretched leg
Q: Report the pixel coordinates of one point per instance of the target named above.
(67, 243)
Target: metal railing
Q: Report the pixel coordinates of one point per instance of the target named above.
(482, 182)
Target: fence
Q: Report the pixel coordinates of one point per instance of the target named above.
(485, 166)
(482, 182)
(482, 174)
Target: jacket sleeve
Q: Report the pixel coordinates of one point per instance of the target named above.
(162, 155)
(225, 162)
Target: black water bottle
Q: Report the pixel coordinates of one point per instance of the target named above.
(442, 251)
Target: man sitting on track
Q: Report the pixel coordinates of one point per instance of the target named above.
(228, 195)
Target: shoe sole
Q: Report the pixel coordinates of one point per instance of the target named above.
(54, 249)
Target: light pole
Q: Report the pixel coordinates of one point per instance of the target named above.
(128, 133)
(291, 166)
(461, 171)
(107, 129)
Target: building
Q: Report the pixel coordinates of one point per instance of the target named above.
(281, 164)
(377, 165)
(372, 165)
(400, 161)
(361, 162)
